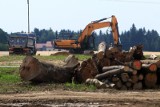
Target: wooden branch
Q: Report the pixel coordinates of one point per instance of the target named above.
(107, 68)
(95, 82)
(108, 73)
(148, 61)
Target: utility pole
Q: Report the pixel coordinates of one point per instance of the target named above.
(28, 17)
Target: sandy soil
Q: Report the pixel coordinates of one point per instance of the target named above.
(95, 99)
(63, 98)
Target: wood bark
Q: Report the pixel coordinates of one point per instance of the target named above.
(107, 68)
(138, 86)
(107, 74)
(118, 84)
(71, 61)
(87, 70)
(32, 69)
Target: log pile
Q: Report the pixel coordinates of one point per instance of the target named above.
(126, 70)
(109, 67)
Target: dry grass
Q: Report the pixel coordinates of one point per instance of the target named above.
(149, 53)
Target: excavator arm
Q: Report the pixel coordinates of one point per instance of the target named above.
(97, 25)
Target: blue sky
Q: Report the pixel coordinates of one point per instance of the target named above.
(76, 14)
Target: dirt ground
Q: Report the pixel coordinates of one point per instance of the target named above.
(64, 98)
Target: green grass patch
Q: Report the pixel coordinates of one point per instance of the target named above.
(44, 58)
(11, 58)
(9, 75)
(11, 82)
(82, 57)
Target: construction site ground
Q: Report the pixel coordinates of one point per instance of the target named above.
(110, 98)
(99, 98)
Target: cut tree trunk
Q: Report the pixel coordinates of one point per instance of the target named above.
(32, 69)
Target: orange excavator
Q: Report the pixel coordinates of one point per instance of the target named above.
(83, 42)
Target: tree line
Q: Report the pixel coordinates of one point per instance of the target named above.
(150, 39)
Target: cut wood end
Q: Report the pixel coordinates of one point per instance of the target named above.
(153, 67)
(137, 64)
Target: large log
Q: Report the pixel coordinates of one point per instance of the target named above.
(107, 68)
(108, 74)
(87, 69)
(32, 69)
(151, 67)
(135, 64)
(114, 70)
(150, 80)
